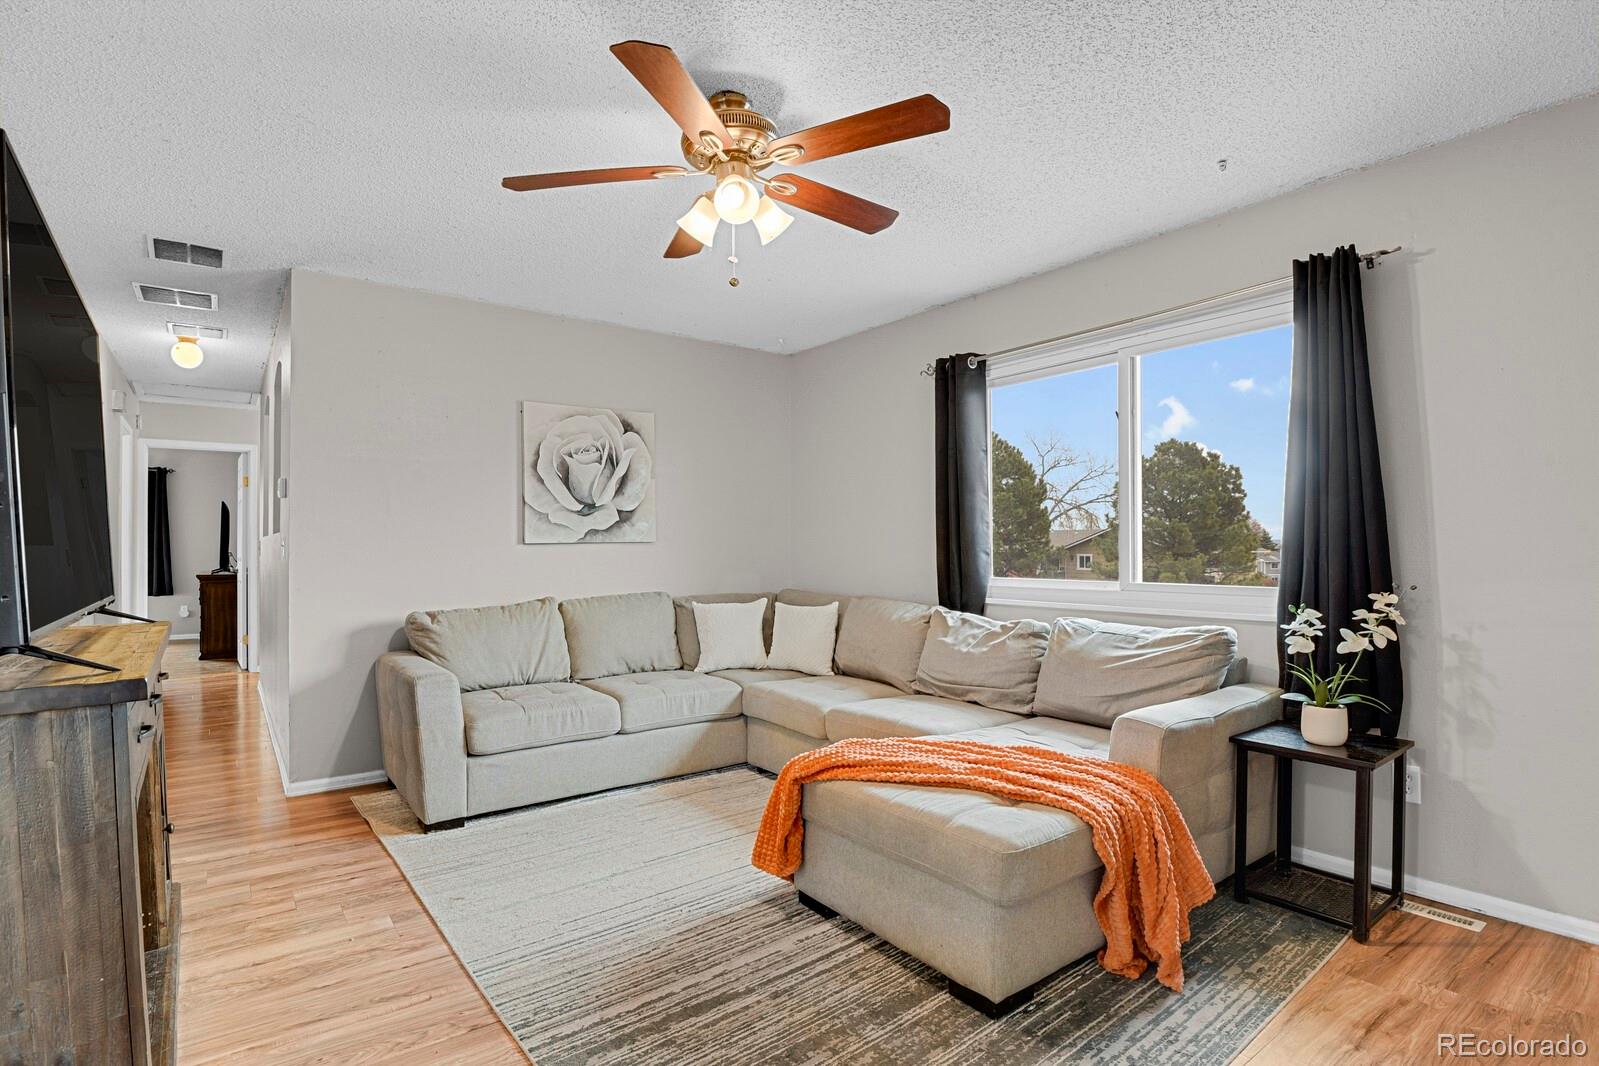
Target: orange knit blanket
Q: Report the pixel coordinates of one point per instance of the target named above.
(1153, 873)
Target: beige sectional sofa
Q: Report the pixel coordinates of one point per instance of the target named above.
(497, 708)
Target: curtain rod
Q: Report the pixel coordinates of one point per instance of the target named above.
(1369, 258)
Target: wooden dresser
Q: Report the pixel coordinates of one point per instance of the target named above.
(88, 915)
(219, 615)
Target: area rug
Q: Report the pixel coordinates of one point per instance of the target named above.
(629, 927)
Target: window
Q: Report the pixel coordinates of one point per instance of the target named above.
(1166, 441)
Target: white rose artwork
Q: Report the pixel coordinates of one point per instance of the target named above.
(588, 474)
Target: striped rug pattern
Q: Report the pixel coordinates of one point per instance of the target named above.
(629, 927)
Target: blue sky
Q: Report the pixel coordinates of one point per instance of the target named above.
(1231, 395)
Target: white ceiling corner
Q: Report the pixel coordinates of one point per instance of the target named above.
(368, 140)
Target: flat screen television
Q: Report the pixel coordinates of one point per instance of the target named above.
(55, 534)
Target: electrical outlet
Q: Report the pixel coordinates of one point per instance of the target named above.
(1413, 784)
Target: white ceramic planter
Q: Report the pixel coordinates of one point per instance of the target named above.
(1327, 726)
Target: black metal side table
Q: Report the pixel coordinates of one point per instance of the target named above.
(1277, 874)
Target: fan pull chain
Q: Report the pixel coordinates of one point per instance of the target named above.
(733, 254)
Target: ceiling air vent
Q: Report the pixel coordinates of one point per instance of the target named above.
(205, 333)
(58, 287)
(157, 294)
(179, 252)
(71, 321)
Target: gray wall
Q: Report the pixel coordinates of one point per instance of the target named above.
(1483, 337)
(198, 483)
(405, 443)
(173, 420)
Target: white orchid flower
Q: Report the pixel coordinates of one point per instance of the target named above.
(1380, 634)
(1299, 645)
(1353, 642)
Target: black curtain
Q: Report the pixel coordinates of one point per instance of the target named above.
(1335, 523)
(965, 536)
(160, 534)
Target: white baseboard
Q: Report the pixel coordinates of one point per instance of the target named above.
(1584, 929)
(319, 784)
(272, 735)
(183, 636)
(333, 784)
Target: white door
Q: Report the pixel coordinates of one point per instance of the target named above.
(237, 531)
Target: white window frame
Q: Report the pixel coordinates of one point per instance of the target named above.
(1085, 555)
(1262, 308)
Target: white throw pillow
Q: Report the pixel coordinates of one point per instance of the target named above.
(802, 638)
(730, 635)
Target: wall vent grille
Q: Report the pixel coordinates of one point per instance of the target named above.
(180, 252)
(190, 329)
(159, 294)
(1447, 917)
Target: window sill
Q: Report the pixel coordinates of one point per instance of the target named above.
(1239, 604)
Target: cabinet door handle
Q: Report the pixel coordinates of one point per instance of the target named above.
(155, 697)
(162, 676)
(145, 730)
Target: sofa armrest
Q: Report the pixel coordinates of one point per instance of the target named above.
(424, 735)
(1186, 745)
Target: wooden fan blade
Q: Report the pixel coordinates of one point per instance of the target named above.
(660, 71)
(915, 117)
(841, 207)
(529, 182)
(682, 245)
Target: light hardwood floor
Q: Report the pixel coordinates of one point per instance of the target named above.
(302, 943)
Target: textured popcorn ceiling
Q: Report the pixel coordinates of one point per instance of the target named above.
(368, 139)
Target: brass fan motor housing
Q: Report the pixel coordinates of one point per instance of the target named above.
(751, 131)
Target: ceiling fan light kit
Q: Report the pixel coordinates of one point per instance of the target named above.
(729, 141)
(700, 221)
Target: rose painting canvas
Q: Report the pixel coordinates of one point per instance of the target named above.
(588, 474)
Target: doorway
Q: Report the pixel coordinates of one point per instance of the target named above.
(210, 485)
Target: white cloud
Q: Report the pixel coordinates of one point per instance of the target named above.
(1242, 385)
(1177, 418)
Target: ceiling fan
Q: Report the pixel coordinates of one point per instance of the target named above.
(728, 140)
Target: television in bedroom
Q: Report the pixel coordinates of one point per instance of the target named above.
(55, 533)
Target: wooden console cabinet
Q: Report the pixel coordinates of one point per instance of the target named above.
(219, 615)
(88, 913)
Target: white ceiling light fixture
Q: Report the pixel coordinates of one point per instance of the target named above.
(736, 197)
(187, 354)
(700, 222)
(771, 220)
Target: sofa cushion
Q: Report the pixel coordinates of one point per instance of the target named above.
(801, 705)
(803, 638)
(660, 698)
(1095, 671)
(882, 640)
(731, 636)
(625, 634)
(999, 849)
(688, 637)
(910, 716)
(969, 657)
(487, 647)
(531, 716)
(1073, 738)
(808, 598)
(746, 678)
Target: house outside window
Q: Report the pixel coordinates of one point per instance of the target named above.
(1142, 467)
